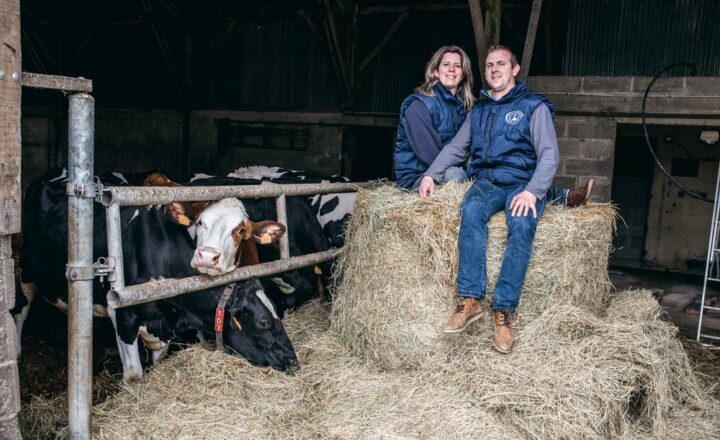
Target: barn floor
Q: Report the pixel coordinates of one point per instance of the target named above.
(679, 294)
(43, 365)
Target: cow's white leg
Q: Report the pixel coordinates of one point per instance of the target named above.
(158, 348)
(29, 290)
(201, 337)
(129, 354)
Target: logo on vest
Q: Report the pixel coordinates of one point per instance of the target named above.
(514, 117)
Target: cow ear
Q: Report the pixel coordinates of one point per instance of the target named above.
(181, 213)
(242, 231)
(268, 231)
(158, 179)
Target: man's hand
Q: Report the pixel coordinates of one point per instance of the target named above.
(427, 186)
(522, 203)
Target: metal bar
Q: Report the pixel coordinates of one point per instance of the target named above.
(168, 288)
(162, 195)
(55, 82)
(712, 243)
(709, 336)
(711, 308)
(281, 208)
(479, 29)
(530, 39)
(80, 253)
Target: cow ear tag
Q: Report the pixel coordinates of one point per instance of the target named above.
(183, 220)
(265, 239)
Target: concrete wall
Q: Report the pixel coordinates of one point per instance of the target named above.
(589, 110)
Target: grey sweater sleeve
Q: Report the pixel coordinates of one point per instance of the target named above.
(544, 139)
(454, 153)
(422, 136)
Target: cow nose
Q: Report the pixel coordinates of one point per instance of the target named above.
(207, 257)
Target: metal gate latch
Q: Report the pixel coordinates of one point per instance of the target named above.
(84, 190)
(103, 267)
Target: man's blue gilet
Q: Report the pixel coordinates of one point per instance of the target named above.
(447, 112)
(501, 147)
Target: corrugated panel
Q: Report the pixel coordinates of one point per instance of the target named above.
(275, 65)
(641, 37)
(400, 65)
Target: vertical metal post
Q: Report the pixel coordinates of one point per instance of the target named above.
(81, 134)
(281, 208)
(114, 241)
(713, 244)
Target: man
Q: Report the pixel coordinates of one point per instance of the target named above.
(513, 151)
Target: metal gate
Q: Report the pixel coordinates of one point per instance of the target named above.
(83, 192)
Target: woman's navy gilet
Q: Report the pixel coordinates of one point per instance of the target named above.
(447, 112)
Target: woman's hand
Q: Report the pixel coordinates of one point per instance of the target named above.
(427, 187)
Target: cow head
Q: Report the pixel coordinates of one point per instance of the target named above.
(253, 330)
(226, 238)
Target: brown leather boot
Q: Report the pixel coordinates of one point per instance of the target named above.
(580, 195)
(503, 333)
(467, 311)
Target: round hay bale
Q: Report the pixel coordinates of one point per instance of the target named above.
(395, 278)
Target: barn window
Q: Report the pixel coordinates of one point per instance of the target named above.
(240, 134)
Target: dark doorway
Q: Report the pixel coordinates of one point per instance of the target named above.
(631, 192)
(368, 152)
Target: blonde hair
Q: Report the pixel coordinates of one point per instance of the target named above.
(465, 86)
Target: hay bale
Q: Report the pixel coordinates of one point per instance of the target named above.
(203, 394)
(397, 273)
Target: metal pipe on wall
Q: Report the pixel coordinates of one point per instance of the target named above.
(81, 133)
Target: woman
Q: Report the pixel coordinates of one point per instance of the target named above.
(432, 115)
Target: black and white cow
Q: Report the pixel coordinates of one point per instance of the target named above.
(332, 210)
(154, 246)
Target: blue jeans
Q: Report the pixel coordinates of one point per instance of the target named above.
(482, 200)
(557, 196)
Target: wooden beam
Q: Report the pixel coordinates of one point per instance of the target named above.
(388, 35)
(492, 21)
(334, 41)
(480, 44)
(10, 65)
(55, 82)
(433, 7)
(530, 39)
